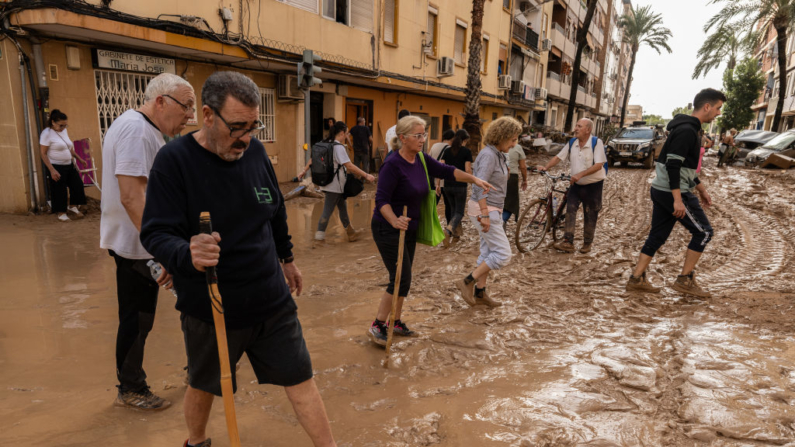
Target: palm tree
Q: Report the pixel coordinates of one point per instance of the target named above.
(474, 87)
(724, 45)
(761, 15)
(582, 34)
(641, 27)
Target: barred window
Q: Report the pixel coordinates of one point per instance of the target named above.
(118, 92)
(267, 115)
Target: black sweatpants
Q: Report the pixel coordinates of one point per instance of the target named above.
(387, 239)
(590, 196)
(663, 221)
(70, 179)
(137, 295)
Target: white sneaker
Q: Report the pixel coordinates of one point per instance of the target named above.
(63, 217)
(73, 209)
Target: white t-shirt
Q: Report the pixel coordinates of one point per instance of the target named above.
(129, 149)
(58, 144)
(391, 133)
(340, 158)
(436, 150)
(583, 158)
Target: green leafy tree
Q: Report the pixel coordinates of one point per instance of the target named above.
(643, 27)
(724, 45)
(761, 15)
(742, 86)
(688, 110)
(653, 120)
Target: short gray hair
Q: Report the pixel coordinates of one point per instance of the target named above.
(361, 120)
(164, 84)
(222, 84)
(589, 122)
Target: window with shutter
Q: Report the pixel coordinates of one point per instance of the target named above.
(309, 5)
(484, 54)
(460, 41)
(390, 21)
(362, 15)
(431, 33)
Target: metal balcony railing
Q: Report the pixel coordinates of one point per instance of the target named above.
(553, 75)
(525, 35)
(581, 88)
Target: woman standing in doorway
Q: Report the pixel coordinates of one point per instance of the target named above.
(58, 153)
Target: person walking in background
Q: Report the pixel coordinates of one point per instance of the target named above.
(586, 155)
(391, 133)
(727, 149)
(437, 150)
(128, 151)
(673, 199)
(403, 182)
(58, 154)
(517, 166)
(362, 144)
(334, 191)
(485, 209)
(455, 192)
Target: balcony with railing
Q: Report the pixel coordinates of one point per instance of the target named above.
(553, 83)
(525, 35)
(559, 37)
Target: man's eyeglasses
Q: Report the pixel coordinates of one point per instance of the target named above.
(237, 132)
(184, 107)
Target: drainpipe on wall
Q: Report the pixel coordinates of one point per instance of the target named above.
(32, 175)
(41, 102)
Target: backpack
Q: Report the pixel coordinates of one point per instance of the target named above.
(323, 163)
(593, 148)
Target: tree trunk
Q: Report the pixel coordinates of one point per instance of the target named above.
(781, 44)
(474, 87)
(629, 84)
(575, 69)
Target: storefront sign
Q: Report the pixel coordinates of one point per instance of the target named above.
(116, 60)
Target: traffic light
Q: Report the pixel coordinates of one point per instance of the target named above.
(307, 70)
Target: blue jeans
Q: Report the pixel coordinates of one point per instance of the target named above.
(495, 250)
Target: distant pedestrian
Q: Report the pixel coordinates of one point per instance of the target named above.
(334, 191)
(727, 148)
(403, 182)
(362, 144)
(485, 210)
(673, 199)
(58, 154)
(391, 133)
(455, 193)
(437, 150)
(128, 152)
(586, 155)
(517, 166)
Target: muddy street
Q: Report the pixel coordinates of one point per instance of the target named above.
(570, 359)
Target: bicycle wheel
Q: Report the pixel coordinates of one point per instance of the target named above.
(532, 226)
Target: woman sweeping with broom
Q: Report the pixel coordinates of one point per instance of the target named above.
(404, 181)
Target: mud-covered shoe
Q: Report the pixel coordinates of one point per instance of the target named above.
(377, 332)
(352, 233)
(586, 248)
(206, 443)
(467, 291)
(564, 246)
(74, 210)
(459, 231)
(485, 299)
(402, 330)
(447, 236)
(63, 217)
(641, 284)
(142, 400)
(687, 284)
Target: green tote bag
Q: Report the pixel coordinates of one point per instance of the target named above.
(430, 230)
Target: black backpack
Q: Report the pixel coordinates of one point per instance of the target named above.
(323, 163)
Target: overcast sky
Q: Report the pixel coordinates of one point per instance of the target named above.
(663, 82)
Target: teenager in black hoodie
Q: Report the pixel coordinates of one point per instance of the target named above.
(673, 198)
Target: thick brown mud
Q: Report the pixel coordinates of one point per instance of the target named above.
(570, 359)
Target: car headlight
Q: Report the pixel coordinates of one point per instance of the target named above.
(644, 145)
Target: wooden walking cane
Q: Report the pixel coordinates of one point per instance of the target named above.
(227, 392)
(390, 324)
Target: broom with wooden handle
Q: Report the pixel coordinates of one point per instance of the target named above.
(390, 325)
(227, 391)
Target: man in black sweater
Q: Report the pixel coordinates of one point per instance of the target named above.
(223, 169)
(673, 199)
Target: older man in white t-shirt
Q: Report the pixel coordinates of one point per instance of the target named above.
(128, 152)
(586, 155)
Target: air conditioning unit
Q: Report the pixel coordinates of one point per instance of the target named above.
(288, 88)
(541, 93)
(504, 82)
(517, 87)
(546, 45)
(445, 66)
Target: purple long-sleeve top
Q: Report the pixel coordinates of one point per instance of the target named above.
(401, 183)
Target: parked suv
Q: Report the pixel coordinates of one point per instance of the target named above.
(638, 143)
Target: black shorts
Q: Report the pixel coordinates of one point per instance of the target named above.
(275, 348)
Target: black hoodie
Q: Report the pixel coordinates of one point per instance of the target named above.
(678, 160)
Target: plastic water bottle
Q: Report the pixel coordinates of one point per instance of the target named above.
(156, 270)
(554, 205)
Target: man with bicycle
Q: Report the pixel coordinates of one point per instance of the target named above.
(586, 155)
(673, 199)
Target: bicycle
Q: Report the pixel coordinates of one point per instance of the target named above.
(539, 218)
